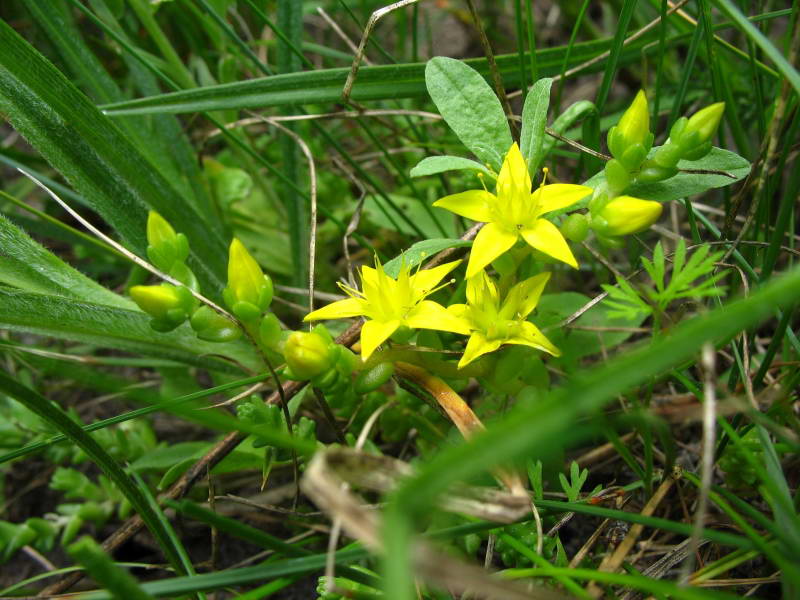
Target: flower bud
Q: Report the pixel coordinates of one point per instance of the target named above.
(165, 247)
(212, 326)
(167, 304)
(704, 123)
(630, 140)
(308, 354)
(575, 227)
(249, 290)
(625, 215)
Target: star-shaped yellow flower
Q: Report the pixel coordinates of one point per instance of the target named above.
(514, 212)
(391, 303)
(494, 323)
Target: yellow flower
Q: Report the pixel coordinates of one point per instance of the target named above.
(391, 303)
(495, 323)
(515, 212)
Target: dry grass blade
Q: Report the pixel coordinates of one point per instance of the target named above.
(323, 484)
(373, 19)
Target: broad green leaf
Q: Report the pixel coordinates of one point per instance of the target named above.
(112, 327)
(27, 265)
(421, 251)
(95, 157)
(324, 86)
(689, 184)
(470, 107)
(432, 165)
(534, 121)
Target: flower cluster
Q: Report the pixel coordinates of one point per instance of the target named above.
(515, 214)
(519, 220)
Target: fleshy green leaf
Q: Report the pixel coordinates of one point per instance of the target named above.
(470, 108)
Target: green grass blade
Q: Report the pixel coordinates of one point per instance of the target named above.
(383, 82)
(98, 160)
(112, 327)
(727, 8)
(243, 576)
(105, 571)
(536, 430)
(30, 267)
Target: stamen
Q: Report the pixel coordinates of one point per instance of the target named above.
(481, 177)
(440, 286)
(352, 292)
(545, 171)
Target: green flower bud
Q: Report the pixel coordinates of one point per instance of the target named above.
(165, 247)
(167, 304)
(704, 123)
(308, 354)
(633, 129)
(625, 215)
(213, 327)
(667, 156)
(249, 290)
(575, 227)
(698, 151)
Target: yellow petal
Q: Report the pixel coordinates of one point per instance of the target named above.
(342, 309)
(425, 280)
(430, 315)
(546, 237)
(558, 195)
(374, 333)
(513, 174)
(523, 297)
(491, 242)
(460, 311)
(482, 291)
(530, 335)
(477, 346)
(473, 204)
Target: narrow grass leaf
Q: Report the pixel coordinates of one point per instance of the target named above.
(111, 327)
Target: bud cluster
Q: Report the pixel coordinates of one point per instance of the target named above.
(613, 214)
(248, 293)
(168, 305)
